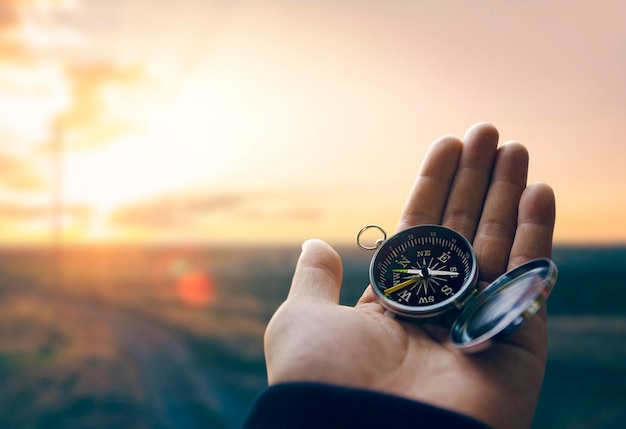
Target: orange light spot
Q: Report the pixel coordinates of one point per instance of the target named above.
(196, 288)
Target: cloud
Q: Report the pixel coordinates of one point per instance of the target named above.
(9, 17)
(10, 23)
(172, 211)
(187, 210)
(19, 175)
(22, 212)
(19, 37)
(33, 38)
(87, 121)
(285, 213)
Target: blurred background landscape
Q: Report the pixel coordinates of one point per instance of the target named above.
(161, 162)
(168, 337)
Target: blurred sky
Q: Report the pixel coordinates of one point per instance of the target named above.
(275, 121)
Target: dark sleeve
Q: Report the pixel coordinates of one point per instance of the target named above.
(312, 405)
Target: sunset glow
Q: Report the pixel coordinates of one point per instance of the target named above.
(272, 122)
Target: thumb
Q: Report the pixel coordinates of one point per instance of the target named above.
(318, 273)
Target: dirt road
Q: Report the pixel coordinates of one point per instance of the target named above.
(173, 389)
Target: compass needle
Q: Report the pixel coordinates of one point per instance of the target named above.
(443, 273)
(408, 271)
(401, 285)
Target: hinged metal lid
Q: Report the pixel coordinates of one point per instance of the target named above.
(504, 305)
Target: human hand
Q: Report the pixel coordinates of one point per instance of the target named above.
(480, 191)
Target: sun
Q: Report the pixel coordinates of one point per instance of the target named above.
(178, 141)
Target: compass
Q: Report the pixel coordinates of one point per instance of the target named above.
(431, 272)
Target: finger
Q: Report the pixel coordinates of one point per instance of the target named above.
(367, 297)
(469, 188)
(429, 193)
(533, 239)
(498, 222)
(318, 273)
(535, 227)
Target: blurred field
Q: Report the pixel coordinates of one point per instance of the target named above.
(134, 337)
(127, 339)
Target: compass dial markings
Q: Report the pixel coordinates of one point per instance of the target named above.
(422, 267)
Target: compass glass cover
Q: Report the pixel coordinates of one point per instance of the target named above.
(505, 304)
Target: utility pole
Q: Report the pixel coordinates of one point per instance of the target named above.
(56, 208)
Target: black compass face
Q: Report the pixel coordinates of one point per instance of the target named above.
(423, 271)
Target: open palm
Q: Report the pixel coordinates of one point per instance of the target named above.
(479, 190)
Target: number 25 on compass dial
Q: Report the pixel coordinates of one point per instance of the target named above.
(424, 271)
